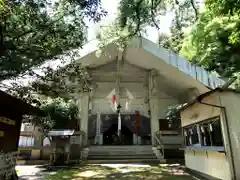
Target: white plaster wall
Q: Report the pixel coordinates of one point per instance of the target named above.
(231, 101)
(101, 102)
(133, 79)
(199, 112)
(211, 163)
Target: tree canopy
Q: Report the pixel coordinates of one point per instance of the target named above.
(36, 31)
(209, 38)
(214, 41)
(57, 114)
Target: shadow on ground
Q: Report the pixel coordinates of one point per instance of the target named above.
(121, 172)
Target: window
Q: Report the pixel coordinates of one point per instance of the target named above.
(187, 137)
(216, 133)
(191, 135)
(194, 135)
(205, 133)
(26, 141)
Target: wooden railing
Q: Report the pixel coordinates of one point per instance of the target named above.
(158, 142)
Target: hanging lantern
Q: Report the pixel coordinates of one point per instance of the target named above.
(118, 108)
(89, 112)
(149, 112)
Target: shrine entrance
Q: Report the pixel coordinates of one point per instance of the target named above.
(110, 136)
(108, 129)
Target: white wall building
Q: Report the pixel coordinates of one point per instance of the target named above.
(143, 77)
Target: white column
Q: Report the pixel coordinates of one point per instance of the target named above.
(98, 128)
(154, 116)
(146, 95)
(84, 114)
(134, 139)
(101, 139)
(153, 104)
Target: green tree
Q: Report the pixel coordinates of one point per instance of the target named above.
(132, 18)
(215, 39)
(135, 15)
(56, 114)
(36, 31)
(64, 82)
(173, 116)
(186, 13)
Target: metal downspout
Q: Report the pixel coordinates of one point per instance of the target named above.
(228, 132)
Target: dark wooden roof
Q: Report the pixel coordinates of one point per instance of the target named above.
(12, 109)
(15, 104)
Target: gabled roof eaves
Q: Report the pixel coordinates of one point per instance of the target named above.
(202, 96)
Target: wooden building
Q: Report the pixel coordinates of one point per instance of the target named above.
(11, 111)
(211, 129)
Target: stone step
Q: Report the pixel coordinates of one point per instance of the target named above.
(123, 153)
(139, 155)
(122, 147)
(131, 149)
(122, 157)
(116, 154)
(140, 148)
(120, 154)
(126, 161)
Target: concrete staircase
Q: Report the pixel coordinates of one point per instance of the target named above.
(124, 154)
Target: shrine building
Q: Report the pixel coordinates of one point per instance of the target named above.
(133, 89)
(124, 114)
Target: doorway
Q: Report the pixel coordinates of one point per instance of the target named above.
(110, 136)
(126, 136)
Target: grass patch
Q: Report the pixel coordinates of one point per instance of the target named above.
(104, 172)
